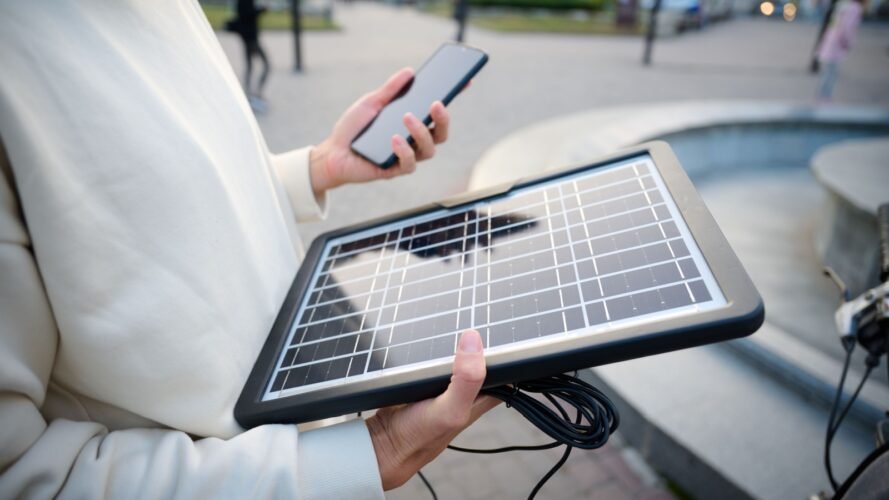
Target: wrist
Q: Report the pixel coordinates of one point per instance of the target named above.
(391, 470)
(319, 170)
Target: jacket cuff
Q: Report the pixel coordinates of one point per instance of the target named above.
(338, 462)
(292, 168)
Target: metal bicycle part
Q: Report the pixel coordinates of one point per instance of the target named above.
(871, 306)
(863, 320)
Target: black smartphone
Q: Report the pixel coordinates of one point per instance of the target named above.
(439, 79)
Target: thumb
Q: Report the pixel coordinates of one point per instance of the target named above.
(455, 404)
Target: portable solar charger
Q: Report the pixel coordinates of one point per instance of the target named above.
(593, 264)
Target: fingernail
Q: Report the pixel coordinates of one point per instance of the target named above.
(470, 341)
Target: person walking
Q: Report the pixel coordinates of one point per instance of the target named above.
(246, 25)
(836, 44)
(461, 10)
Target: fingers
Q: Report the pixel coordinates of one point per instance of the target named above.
(407, 438)
(455, 405)
(390, 89)
(425, 146)
(362, 111)
(442, 121)
(407, 159)
(424, 138)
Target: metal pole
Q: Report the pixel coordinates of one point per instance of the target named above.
(815, 65)
(652, 28)
(296, 21)
(460, 11)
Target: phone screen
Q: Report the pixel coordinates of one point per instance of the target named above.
(440, 78)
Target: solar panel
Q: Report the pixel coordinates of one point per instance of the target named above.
(548, 272)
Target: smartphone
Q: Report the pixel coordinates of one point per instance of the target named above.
(439, 79)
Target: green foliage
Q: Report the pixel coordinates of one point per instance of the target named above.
(590, 5)
(270, 20)
(538, 20)
(598, 24)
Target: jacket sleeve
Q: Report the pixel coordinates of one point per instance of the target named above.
(68, 459)
(292, 169)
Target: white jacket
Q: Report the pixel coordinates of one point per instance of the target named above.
(147, 239)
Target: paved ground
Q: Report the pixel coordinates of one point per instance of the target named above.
(529, 78)
(532, 77)
(614, 472)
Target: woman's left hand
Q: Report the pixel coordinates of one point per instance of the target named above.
(333, 162)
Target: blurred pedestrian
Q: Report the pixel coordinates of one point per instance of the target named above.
(461, 10)
(246, 25)
(837, 42)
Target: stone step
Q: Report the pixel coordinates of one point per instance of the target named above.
(721, 427)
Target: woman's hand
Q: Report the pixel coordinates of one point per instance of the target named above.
(407, 437)
(333, 163)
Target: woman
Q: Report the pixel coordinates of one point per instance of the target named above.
(836, 44)
(161, 238)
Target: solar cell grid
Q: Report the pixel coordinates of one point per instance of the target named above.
(578, 254)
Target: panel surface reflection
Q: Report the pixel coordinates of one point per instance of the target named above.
(588, 250)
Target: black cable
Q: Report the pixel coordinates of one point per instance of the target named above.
(886, 352)
(558, 465)
(594, 407)
(828, 437)
(840, 421)
(547, 446)
(428, 485)
(596, 417)
(862, 468)
(551, 472)
(833, 427)
(848, 407)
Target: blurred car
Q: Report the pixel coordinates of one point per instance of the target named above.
(676, 15)
(679, 15)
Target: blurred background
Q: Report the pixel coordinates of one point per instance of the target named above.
(792, 176)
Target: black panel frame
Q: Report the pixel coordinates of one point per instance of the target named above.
(742, 315)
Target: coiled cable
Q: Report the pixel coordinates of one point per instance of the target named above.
(595, 418)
